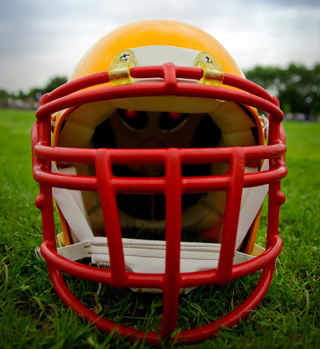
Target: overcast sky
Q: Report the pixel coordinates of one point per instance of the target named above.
(44, 38)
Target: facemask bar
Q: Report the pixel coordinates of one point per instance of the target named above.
(172, 185)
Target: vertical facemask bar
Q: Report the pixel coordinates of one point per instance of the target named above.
(111, 218)
(171, 287)
(44, 203)
(234, 193)
(276, 196)
(44, 200)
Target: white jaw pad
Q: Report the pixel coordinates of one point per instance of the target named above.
(149, 256)
(250, 206)
(72, 209)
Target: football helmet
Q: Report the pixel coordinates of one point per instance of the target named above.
(159, 165)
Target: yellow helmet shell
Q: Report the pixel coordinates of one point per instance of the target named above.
(150, 33)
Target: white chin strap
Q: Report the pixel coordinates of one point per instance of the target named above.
(148, 256)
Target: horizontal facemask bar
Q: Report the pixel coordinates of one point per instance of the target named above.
(64, 97)
(155, 157)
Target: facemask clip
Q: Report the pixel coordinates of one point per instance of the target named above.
(119, 70)
(213, 73)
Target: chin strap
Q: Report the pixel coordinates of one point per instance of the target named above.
(148, 256)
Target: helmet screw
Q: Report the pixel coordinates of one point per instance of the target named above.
(124, 57)
(207, 59)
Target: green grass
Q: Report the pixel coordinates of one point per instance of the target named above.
(32, 316)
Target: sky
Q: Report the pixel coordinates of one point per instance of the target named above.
(40, 39)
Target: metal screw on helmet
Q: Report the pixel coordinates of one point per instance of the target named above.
(124, 57)
(207, 59)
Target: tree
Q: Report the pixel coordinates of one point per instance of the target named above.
(32, 98)
(54, 83)
(297, 87)
(4, 95)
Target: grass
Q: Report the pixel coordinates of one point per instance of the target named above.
(32, 316)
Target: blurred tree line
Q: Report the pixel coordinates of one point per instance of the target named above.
(297, 87)
(51, 85)
(30, 99)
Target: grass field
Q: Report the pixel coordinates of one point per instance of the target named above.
(32, 316)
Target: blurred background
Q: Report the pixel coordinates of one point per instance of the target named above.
(275, 42)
